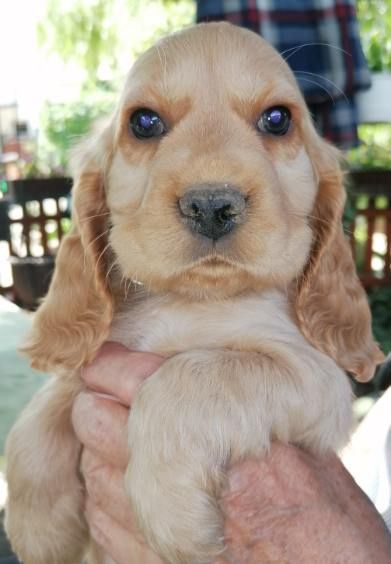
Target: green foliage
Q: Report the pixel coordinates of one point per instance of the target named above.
(40, 167)
(380, 302)
(64, 124)
(349, 212)
(375, 149)
(80, 31)
(101, 37)
(375, 26)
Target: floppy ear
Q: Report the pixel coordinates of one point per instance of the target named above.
(75, 316)
(330, 303)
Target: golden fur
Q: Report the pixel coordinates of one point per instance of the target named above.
(257, 327)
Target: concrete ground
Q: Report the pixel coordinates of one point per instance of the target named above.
(18, 382)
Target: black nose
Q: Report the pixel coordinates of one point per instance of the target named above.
(213, 211)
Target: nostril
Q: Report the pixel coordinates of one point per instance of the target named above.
(195, 210)
(190, 206)
(225, 213)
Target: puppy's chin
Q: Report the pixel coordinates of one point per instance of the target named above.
(211, 279)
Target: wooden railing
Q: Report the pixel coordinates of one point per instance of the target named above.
(371, 228)
(34, 216)
(38, 208)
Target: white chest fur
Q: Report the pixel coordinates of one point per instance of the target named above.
(167, 326)
(258, 323)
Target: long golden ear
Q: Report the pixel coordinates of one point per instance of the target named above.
(75, 316)
(330, 303)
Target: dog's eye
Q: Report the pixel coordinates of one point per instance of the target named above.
(146, 124)
(275, 120)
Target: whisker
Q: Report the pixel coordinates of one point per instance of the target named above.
(113, 264)
(90, 217)
(320, 86)
(325, 79)
(297, 48)
(122, 281)
(98, 237)
(128, 288)
(90, 244)
(313, 217)
(101, 255)
(348, 232)
(126, 282)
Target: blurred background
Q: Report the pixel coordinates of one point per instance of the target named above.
(61, 66)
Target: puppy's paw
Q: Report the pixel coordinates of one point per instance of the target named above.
(188, 421)
(177, 513)
(178, 450)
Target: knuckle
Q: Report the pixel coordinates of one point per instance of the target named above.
(88, 372)
(88, 420)
(97, 525)
(103, 360)
(95, 477)
(79, 412)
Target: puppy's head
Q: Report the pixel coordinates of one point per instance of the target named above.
(209, 181)
(211, 197)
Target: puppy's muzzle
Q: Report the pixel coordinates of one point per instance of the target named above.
(213, 210)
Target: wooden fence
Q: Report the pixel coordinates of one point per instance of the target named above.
(371, 228)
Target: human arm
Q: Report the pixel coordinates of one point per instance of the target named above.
(289, 507)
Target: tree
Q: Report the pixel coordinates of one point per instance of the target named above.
(103, 36)
(375, 26)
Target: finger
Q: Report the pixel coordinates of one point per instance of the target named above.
(105, 488)
(121, 545)
(101, 426)
(119, 372)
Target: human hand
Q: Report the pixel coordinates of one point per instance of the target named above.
(288, 507)
(292, 506)
(100, 421)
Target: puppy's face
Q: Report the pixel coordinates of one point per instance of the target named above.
(210, 185)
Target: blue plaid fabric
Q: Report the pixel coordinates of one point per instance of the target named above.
(320, 41)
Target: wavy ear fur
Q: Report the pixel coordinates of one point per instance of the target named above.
(331, 304)
(75, 316)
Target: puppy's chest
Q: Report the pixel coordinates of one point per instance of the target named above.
(164, 325)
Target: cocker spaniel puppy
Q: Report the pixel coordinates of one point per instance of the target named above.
(206, 228)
